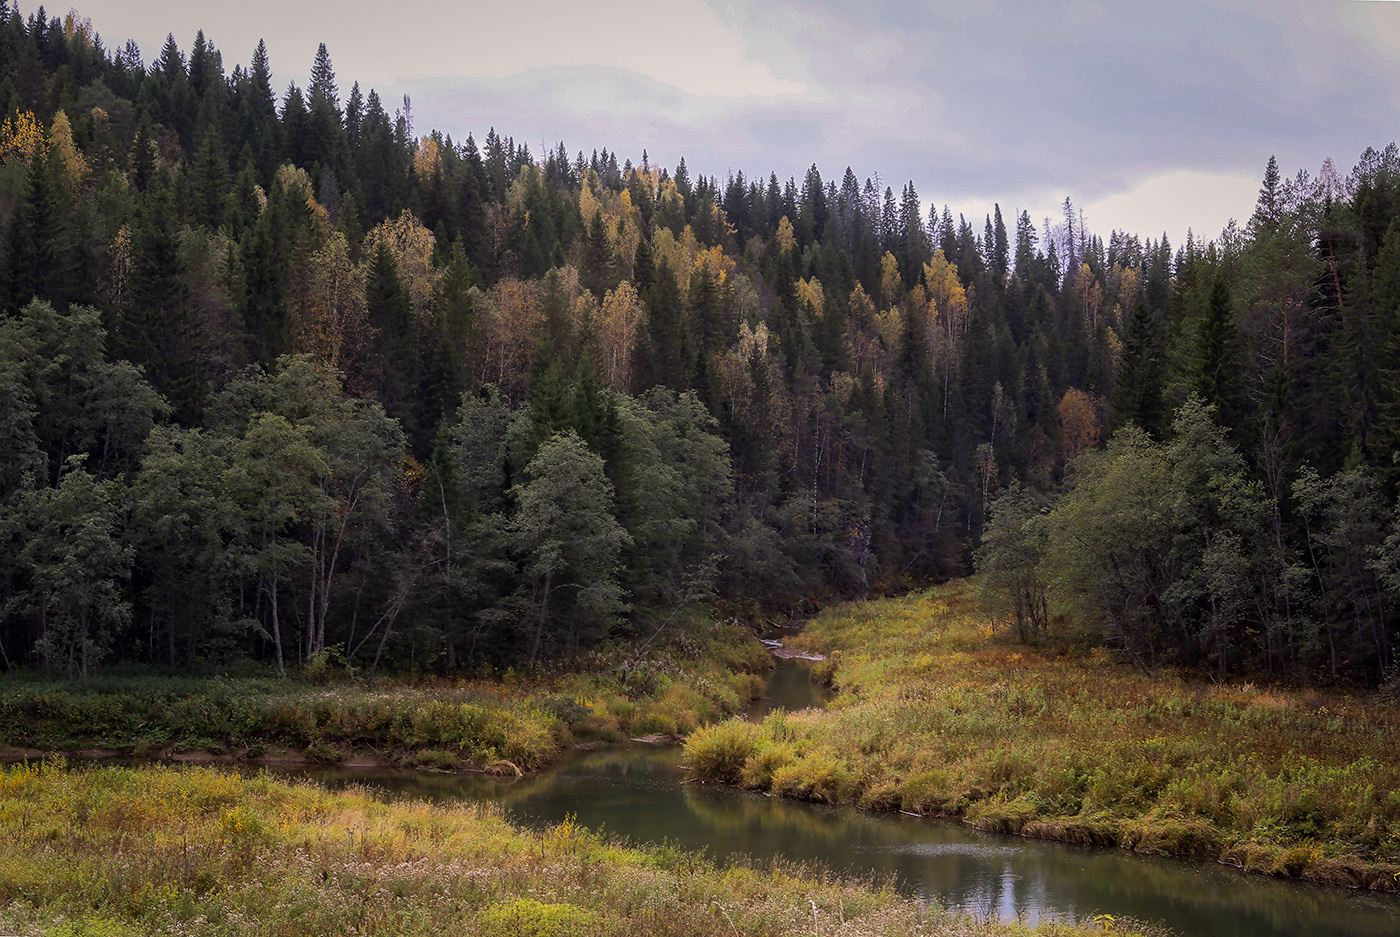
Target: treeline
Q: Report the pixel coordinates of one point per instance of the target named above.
(1243, 515)
(426, 402)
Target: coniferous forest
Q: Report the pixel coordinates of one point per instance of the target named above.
(284, 378)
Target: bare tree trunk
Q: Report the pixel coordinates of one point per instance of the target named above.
(276, 619)
(43, 637)
(170, 632)
(539, 624)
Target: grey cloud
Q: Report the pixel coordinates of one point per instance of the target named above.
(980, 100)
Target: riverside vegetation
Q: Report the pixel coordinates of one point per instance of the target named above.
(120, 851)
(939, 715)
(508, 724)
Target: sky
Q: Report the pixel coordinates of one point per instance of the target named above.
(1152, 117)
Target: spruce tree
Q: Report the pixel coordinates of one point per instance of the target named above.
(39, 260)
(1137, 388)
(391, 314)
(1218, 365)
(157, 327)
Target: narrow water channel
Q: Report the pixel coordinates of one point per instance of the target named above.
(637, 792)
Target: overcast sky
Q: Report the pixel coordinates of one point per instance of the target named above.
(1151, 116)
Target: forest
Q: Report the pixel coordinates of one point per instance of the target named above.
(285, 380)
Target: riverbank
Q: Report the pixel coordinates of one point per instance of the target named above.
(936, 715)
(123, 851)
(508, 724)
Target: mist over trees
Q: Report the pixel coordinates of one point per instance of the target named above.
(283, 378)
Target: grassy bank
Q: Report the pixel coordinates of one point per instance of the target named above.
(118, 851)
(937, 715)
(509, 723)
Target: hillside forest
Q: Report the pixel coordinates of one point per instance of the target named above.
(285, 379)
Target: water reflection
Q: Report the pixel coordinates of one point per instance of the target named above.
(791, 688)
(637, 793)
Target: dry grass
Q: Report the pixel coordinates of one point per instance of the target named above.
(937, 714)
(157, 850)
(516, 721)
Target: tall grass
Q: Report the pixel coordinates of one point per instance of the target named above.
(938, 715)
(159, 850)
(513, 722)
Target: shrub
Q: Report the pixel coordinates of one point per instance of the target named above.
(719, 752)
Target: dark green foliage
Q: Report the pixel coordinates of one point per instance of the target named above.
(1137, 388)
(40, 262)
(157, 327)
(391, 315)
(814, 415)
(1218, 360)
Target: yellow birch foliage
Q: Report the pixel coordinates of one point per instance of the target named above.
(426, 158)
(889, 328)
(622, 221)
(330, 321)
(626, 235)
(1089, 294)
(411, 245)
(21, 135)
(843, 384)
(1125, 283)
(510, 318)
(947, 307)
(590, 197)
(810, 296)
(786, 239)
(62, 148)
(120, 253)
(619, 323)
(79, 27)
(684, 255)
(891, 283)
(670, 251)
(735, 372)
(526, 184)
(714, 259)
(296, 181)
(1079, 422)
(860, 327)
(670, 205)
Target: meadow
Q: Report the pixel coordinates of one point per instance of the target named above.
(508, 723)
(940, 713)
(197, 850)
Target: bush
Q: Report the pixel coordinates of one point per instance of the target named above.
(719, 752)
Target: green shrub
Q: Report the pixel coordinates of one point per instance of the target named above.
(526, 917)
(719, 752)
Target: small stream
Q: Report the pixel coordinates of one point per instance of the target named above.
(636, 792)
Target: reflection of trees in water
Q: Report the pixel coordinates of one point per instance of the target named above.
(728, 810)
(791, 688)
(944, 861)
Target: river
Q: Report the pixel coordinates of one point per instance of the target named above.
(637, 792)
